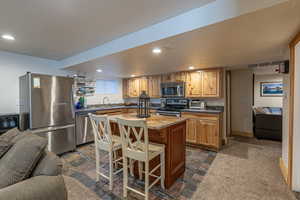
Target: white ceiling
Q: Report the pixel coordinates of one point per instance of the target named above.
(57, 29)
(257, 37)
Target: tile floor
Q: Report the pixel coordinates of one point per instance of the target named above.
(81, 166)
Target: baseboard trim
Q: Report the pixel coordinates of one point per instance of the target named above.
(283, 169)
(244, 134)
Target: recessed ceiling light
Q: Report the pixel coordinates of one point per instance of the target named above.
(156, 50)
(132, 75)
(8, 37)
(191, 67)
(199, 71)
(99, 70)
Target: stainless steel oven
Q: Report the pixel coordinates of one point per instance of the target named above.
(173, 89)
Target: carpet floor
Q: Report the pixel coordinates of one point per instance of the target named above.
(245, 169)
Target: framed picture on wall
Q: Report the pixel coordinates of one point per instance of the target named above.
(271, 89)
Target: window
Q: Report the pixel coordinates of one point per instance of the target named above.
(107, 86)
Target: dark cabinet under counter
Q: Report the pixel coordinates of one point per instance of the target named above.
(8, 121)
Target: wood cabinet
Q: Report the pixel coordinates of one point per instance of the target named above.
(204, 130)
(174, 77)
(125, 86)
(133, 87)
(203, 83)
(154, 86)
(211, 83)
(208, 132)
(191, 125)
(112, 111)
(194, 86)
(143, 85)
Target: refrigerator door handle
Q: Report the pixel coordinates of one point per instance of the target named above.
(52, 128)
(72, 102)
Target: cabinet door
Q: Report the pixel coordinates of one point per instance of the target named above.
(154, 86)
(133, 87)
(178, 76)
(125, 88)
(191, 130)
(208, 133)
(194, 84)
(174, 77)
(211, 83)
(143, 85)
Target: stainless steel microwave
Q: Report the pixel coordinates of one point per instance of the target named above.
(173, 89)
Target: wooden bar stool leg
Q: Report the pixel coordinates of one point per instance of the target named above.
(111, 170)
(125, 176)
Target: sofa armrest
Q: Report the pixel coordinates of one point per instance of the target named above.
(40, 187)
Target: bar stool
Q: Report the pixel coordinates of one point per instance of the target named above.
(105, 141)
(141, 150)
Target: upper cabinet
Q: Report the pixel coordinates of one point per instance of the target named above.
(194, 86)
(199, 84)
(133, 87)
(174, 77)
(154, 86)
(203, 83)
(211, 83)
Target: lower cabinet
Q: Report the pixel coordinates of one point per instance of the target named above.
(204, 130)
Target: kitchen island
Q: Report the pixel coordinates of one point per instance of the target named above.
(170, 131)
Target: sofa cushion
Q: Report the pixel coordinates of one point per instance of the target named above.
(11, 134)
(18, 163)
(49, 165)
(36, 188)
(4, 147)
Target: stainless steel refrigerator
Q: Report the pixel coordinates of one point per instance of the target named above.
(47, 108)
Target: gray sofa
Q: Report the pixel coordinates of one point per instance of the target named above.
(27, 170)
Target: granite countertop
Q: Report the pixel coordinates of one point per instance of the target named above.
(209, 111)
(93, 109)
(153, 122)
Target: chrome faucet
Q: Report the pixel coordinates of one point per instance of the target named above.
(105, 98)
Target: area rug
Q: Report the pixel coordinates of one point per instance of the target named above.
(79, 170)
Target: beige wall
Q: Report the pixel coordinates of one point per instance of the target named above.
(296, 136)
(285, 118)
(241, 101)
(266, 101)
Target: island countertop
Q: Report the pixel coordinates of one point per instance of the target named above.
(154, 122)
